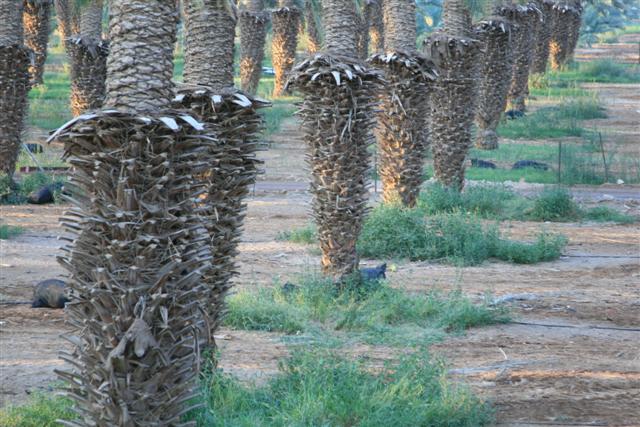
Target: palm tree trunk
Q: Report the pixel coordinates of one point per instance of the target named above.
(313, 34)
(68, 19)
(574, 33)
(337, 114)
(405, 101)
(373, 9)
(36, 19)
(453, 99)
(15, 59)
(525, 19)
(285, 21)
(362, 27)
(233, 117)
(541, 51)
(140, 248)
(560, 35)
(88, 54)
(253, 33)
(495, 33)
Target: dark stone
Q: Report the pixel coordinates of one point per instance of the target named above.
(41, 196)
(50, 293)
(514, 114)
(289, 288)
(521, 164)
(484, 164)
(376, 273)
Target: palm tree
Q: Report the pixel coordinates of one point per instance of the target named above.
(525, 18)
(68, 18)
(541, 45)
(140, 248)
(286, 21)
(88, 56)
(373, 12)
(560, 34)
(15, 59)
(311, 23)
(455, 51)
(495, 33)
(337, 114)
(363, 23)
(574, 29)
(36, 19)
(232, 116)
(253, 32)
(405, 101)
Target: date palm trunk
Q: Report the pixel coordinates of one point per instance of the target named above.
(363, 23)
(232, 116)
(36, 19)
(88, 56)
(286, 22)
(15, 59)
(68, 16)
(560, 35)
(313, 34)
(541, 50)
(373, 9)
(405, 102)
(525, 18)
(337, 118)
(140, 248)
(453, 100)
(253, 22)
(574, 33)
(495, 33)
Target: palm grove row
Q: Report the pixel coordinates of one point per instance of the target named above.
(161, 170)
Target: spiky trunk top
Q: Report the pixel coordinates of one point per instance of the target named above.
(141, 82)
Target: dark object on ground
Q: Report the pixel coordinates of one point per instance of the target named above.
(521, 164)
(50, 293)
(42, 196)
(484, 164)
(514, 114)
(376, 273)
(34, 148)
(289, 288)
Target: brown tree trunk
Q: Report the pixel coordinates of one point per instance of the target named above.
(313, 34)
(337, 116)
(285, 21)
(37, 18)
(574, 30)
(373, 9)
(88, 56)
(253, 33)
(405, 100)
(454, 95)
(68, 18)
(541, 50)
(363, 23)
(495, 33)
(560, 35)
(233, 117)
(140, 248)
(15, 59)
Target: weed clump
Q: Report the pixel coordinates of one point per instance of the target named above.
(9, 231)
(554, 204)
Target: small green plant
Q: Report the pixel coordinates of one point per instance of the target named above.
(41, 411)
(607, 214)
(307, 234)
(554, 204)
(9, 231)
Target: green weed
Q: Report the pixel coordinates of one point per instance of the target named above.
(9, 231)
(554, 204)
(307, 234)
(41, 411)
(607, 214)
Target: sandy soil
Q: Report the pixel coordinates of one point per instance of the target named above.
(574, 358)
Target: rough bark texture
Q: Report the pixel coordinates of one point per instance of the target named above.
(337, 114)
(286, 21)
(15, 60)
(313, 33)
(363, 24)
(233, 117)
(140, 248)
(560, 35)
(495, 78)
(524, 18)
(253, 33)
(91, 20)
(453, 98)
(207, 20)
(68, 17)
(541, 51)
(574, 33)
(405, 100)
(36, 19)
(373, 8)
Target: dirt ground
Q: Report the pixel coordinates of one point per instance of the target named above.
(572, 356)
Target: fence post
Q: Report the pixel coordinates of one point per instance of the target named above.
(560, 162)
(604, 159)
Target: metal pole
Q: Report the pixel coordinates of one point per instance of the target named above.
(559, 162)
(604, 159)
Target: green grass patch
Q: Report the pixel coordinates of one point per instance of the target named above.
(320, 389)
(9, 231)
(599, 71)
(307, 234)
(554, 204)
(553, 122)
(41, 411)
(607, 214)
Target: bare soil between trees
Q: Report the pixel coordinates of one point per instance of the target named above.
(572, 356)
